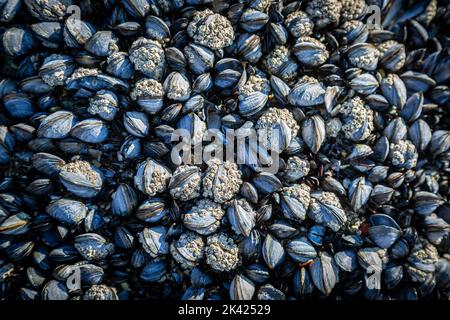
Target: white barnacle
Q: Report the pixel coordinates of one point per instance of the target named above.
(185, 183)
(221, 181)
(151, 177)
(299, 24)
(274, 119)
(148, 57)
(211, 30)
(358, 119)
(204, 217)
(296, 168)
(325, 208)
(105, 104)
(403, 154)
(147, 88)
(80, 178)
(280, 62)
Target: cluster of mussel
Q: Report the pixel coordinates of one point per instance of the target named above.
(354, 92)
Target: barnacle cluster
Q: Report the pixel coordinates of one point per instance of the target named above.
(353, 9)
(325, 208)
(391, 48)
(421, 262)
(151, 177)
(324, 12)
(188, 250)
(81, 167)
(255, 83)
(81, 73)
(310, 51)
(296, 168)
(403, 154)
(146, 88)
(186, 183)
(54, 73)
(148, 57)
(100, 292)
(301, 192)
(365, 58)
(299, 24)
(221, 252)
(325, 197)
(333, 127)
(104, 104)
(276, 62)
(204, 217)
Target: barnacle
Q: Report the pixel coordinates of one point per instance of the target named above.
(364, 56)
(358, 119)
(211, 29)
(56, 69)
(301, 192)
(310, 51)
(185, 187)
(255, 83)
(222, 180)
(429, 14)
(403, 154)
(204, 217)
(353, 224)
(325, 197)
(392, 55)
(422, 261)
(83, 72)
(296, 168)
(333, 126)
(325, 208)
(188, 250)
(324, 12)
(104, 104)
(57, 78)
(299, 24)
(80, 178)
(308, 91)
(353, 9)
(266, 125)
(151, 177)
(116, 158)
(277, 61)
(100, 292)
(147, 88)
(221, 252)
(260, 5)
(148, 57)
